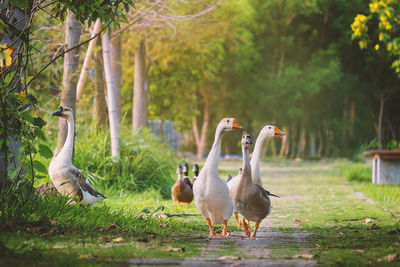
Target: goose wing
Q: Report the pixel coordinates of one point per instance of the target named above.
(84, 184)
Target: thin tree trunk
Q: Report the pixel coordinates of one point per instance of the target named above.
(320, 144)
(284, 143)
(100, 105)
(140, 90)
(115, 48)
(313, 144)
(201, 140)
(86, 62)
(112, 109)
(71, 61)
(301, 143)
(380, 117)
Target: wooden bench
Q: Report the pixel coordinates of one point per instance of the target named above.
(385, 166)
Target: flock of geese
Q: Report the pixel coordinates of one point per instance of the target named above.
(215, 198)
(218, 199)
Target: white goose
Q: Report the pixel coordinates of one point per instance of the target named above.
(267, 132)
(65, 176)
(210, 191)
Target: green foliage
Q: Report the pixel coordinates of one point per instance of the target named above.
(393, 145)
(91, 10)
(356, 172)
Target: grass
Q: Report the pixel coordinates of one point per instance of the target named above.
(58, 233)
(316, 201)
(359, 174)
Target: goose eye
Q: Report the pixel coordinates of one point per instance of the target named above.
(270, 127)
(227, 120)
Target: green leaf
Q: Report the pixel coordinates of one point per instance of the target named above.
(45, 151)
(21, 3)
(39, 133)
(37, 165)
(39, 122)
(27, 117)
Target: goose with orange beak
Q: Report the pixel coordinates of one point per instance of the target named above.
(211, 193)
(268, 132)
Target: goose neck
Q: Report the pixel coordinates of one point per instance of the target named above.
(67, 150)
(255, 159)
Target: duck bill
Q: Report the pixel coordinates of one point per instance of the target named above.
(236, 125)
(278, 133)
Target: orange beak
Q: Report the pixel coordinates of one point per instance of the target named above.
(278, 133)
(236, 125)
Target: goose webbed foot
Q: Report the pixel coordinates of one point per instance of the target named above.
(253, 236)
(245, 228)
(212, 233)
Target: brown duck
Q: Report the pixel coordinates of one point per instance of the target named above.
(180, 191)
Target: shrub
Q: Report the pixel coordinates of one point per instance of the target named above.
(356, 172)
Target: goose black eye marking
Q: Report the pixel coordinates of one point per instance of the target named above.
(270, 127)
(228, 120)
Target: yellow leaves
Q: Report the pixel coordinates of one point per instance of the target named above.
(397, 70)
(22, 99)
(376, 47)
(380, 36)
(8, 50)
(389, 46)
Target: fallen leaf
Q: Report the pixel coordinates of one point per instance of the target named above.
(54, 222)
(370, 220)
(34, 215)
(390, 258)
(296, 220)
(229, 257)
(52, 232)
(176, 249)
(87, 256)
(112, 227)
(373, 227)
(118, 240)
(304, 256)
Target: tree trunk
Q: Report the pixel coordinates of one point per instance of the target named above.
(320, 144)
(380, 117)
(313, 144)
(115, 49)
(112, 109)
(284, 143)
(292, 142)
(301, 143)
(140, 90)
(71, 61)
(86, 62)
(100, 104)
(201, 140)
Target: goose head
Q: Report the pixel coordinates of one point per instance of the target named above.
(229, 124)
(196, 169)
(246, 141)
(64, 112)
(186, 169)
(272, 131)
(179, 170)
